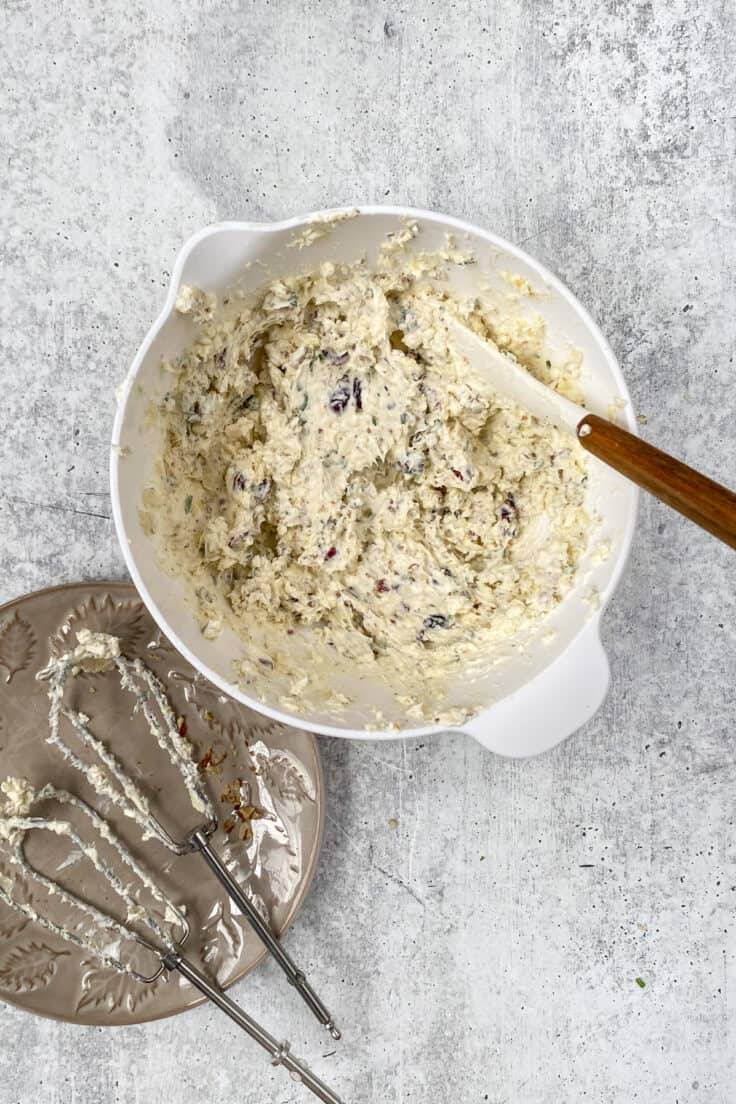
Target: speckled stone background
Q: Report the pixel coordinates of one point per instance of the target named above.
(487, 947)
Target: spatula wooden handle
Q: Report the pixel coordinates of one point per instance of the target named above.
(708, 504)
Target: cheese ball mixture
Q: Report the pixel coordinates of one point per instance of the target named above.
(332, 467)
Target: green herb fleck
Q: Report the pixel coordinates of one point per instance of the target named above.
(188, 504)
(641, 983)
(404, 418)
(374, 419)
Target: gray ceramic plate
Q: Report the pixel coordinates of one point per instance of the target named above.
(274, 851)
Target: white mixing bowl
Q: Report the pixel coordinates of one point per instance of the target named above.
(532, 699)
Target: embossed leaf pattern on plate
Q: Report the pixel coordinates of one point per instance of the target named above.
(271, 851)
(111, 990)
(18, 891)
(17, 646)
(102, 614)
(290, 777)
(14, 927)
(258, 772)
(28, 966)
(222, 941)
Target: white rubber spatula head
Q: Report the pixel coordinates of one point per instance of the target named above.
(507, 378)
(708, 504)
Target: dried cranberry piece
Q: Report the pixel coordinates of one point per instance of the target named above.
(508, 509)
(508, 515)
(330, 553)
(340, 397)
(436, 621)
(382, 587)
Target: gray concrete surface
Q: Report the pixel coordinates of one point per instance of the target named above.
(487, 948)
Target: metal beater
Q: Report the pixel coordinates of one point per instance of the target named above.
(108, 936)
(99, 652)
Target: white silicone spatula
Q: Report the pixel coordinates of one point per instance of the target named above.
(708, 504)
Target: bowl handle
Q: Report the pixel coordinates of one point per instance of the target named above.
(551, 707)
